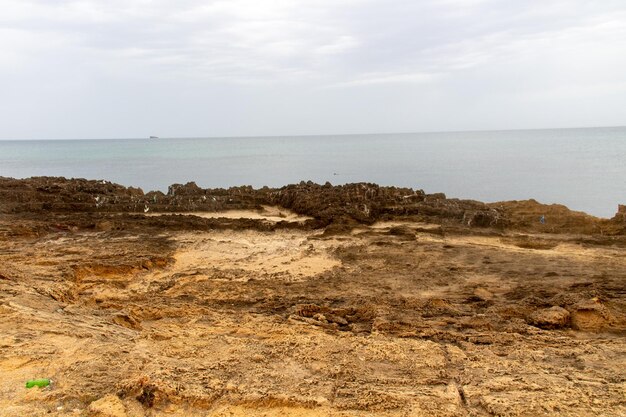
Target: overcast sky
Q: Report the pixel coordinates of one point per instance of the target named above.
(133, 68)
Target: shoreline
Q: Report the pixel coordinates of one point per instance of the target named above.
(326, 204)
(546, 165)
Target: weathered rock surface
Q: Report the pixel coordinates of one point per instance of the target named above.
(362, 202)
(107, 406)
(181, 315)
(590, 315)
(266, 312)
(550, 318)
(526, 214)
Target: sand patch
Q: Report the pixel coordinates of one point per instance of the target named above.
(267, 213)
(259, 255)
(417, 225)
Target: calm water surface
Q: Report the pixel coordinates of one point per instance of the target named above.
(584, 169)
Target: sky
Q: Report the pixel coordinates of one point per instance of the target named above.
(189, 68)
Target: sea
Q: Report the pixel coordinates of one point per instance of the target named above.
(584, 168)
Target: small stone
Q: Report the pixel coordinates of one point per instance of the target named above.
(104, 226)
(482, 294)
(550, 318)
(320, 317)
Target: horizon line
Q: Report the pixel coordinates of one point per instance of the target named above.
(319, 134)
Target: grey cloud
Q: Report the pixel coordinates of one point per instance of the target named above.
(343, 66)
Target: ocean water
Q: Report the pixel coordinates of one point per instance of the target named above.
(585, 169)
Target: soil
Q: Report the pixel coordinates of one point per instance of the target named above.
(275, 303)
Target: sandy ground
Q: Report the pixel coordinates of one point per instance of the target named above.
(268, 213)
(297, 323)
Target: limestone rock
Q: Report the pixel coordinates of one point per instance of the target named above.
(550, 318)
(107, 406)
(590, 315)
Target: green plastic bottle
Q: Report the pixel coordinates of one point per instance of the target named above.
(41, 383)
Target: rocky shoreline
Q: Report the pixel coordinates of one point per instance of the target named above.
(360, 203)
(305, 300)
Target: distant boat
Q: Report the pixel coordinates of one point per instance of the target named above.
(154, 137)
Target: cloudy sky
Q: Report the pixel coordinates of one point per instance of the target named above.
(132, 68)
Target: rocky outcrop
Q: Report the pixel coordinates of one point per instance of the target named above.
(527, 215)
(54, 194)
(359, 202)
(59, 194)
(191, 188)
(484, 217)
(363, 202)
(620, 216)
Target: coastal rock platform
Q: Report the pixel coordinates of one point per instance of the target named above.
(306, 300)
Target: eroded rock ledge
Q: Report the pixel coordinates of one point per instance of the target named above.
(359, 203)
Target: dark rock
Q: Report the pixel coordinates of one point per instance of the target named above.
(403, 232)
(188, 189)
(434, 197)
(362, 203)
(620, 216)
(483, 218)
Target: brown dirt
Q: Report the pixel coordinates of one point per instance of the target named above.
(182, 315)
